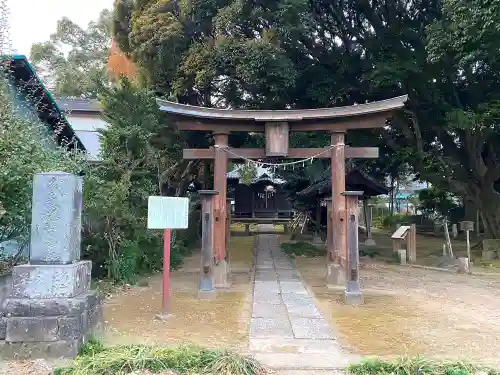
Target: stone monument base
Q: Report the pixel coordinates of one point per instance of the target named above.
(49, 327)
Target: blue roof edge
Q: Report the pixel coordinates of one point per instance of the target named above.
(49, 94)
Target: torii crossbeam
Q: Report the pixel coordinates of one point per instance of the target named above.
(277, 125)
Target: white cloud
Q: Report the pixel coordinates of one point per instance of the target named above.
(33, 21)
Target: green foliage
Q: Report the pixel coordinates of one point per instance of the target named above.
(415, 366)
(137, 148)
(305, 249)
(436, 202)
(390, 221)
(26, 148)
(184, 360)
(79, 71)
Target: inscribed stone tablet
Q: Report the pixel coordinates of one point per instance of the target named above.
(56, 218)
(168, 213)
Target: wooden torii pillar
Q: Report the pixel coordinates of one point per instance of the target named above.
(277, 126)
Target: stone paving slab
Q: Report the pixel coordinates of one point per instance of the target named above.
(308, 311)
(293, 287)
(267, 297)
(286, 330)
(310, 328)
(285, 345)
(296, 299)
(270, 286)
(267, 327)
(304, 361)
(269, 310)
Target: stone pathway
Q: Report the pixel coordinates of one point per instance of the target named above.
(287, 331)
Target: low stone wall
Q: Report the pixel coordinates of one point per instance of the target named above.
(491, 249)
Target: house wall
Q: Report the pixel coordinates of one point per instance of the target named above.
(87, 127)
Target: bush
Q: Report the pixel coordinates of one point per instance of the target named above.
(98, 360)
(136, 149)
(391, 221)
(415, 366)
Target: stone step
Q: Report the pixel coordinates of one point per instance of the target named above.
(283, 345)
(304, 361)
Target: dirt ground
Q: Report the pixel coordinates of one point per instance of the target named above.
(130, 315)
(410, 312)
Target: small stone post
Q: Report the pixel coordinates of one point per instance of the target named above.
(369, 241)
(51, 311)
(352, 294)
(207, 282)
(317, 228)
(454, 230)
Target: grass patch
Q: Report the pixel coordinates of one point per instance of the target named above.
(415, 366)
(100, 360)
(303, 249)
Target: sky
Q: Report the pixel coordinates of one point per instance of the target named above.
(32, 21)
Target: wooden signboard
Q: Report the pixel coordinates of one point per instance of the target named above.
(467, 226)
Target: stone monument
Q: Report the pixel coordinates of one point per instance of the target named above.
(51, 311)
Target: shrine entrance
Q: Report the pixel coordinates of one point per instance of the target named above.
(277, 126)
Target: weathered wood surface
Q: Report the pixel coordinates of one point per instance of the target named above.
(220, 185)
(184, 110)
(401, 232)
(292, 153)
(277, 138)
(338, 201)
(207, 251)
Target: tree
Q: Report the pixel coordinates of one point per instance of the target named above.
(445, 56)
(80, 71)
(26, 148)
(139, 148)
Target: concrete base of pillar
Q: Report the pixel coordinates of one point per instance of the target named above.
(207, 294)
(402, 256)
(335, 275)
(317, 241)
(222, 275)
(370, 242)
(352, 294)
(353, 298)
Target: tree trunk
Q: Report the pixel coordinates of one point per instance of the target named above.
(489, 205)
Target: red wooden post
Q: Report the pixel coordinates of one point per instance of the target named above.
(335, 274)
(166, 270)
(352, 294)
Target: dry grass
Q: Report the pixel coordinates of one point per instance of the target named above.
(410, 312)
(130, 314)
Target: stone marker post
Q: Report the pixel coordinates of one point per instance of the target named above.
(51, 311)
(207, 288)
(454, 230)
(352, 294)
(368, 212)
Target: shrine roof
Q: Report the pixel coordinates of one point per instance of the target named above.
(378, 107)
(356, 180)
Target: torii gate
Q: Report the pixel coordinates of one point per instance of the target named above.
(277, 125)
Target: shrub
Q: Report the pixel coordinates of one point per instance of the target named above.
(415, 366)
(98, 360)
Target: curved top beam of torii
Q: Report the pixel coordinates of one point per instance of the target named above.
(288, 115)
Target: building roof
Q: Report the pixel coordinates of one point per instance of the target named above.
(356, 180)
(79, 105)
(25, 78)
(282, 115)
